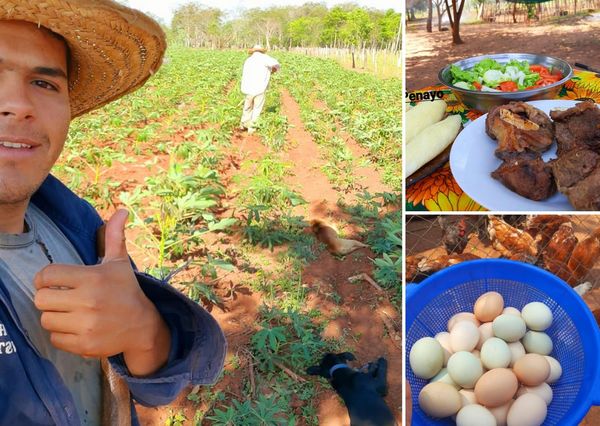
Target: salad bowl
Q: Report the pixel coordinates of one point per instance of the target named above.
(485, 100)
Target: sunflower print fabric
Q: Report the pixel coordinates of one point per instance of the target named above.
(439, 191)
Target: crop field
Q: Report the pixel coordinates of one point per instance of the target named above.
(226, 217)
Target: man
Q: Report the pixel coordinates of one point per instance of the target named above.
(255, 79)
(61, 308)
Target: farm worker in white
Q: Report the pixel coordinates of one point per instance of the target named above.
(255, 80)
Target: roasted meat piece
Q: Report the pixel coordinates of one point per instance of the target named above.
(527, 175)
(577, 127)
(585, 194)
(519, 127)
(572, 166)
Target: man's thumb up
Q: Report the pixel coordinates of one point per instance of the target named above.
(114, 240)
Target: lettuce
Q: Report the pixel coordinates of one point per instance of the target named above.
(491, 73)
(486, 65)
(459, 74)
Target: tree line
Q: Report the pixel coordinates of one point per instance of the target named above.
(309, 25)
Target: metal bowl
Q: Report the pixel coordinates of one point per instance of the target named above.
(484, 101)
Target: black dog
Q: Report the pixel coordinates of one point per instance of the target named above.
(362, 392)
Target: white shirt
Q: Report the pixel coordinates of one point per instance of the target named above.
(257, 72)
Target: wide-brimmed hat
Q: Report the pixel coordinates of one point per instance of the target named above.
(257, 48)
(114, 49)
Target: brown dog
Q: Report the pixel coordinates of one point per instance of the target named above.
(328, 236)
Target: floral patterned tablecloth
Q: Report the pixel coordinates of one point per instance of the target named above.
(439, 191)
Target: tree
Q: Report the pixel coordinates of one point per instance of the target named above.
(304, 31)
(334, 21)
(429, 15)
(480, 5)
(196, 26)
(439, 6)
(454, 15)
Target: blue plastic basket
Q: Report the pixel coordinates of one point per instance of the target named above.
(574, 331)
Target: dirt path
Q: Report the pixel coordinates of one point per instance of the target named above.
(306, 161)
(574, 40)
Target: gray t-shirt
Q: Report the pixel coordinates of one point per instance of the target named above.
(21, 257)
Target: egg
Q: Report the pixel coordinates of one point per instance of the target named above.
(464, 336)
(444, 377)
(496, 387)
(475, 415)
(488, 306)
(516, 351)
(532, 369)
(426, 357)
(537, 342)
(511, 311)
(467, 397)
(544, 391)
(527, 410)
(555, 370)
(439, 400)
(462, 316)
(500, 413)
(465, 369)
(537, 316)
(485, 332)
(509, 328)
(495, 354)
(444, 339)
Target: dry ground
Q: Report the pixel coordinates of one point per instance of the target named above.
(574, 40)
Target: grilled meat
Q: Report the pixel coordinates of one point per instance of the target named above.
(573, 166)
(519, 127)
(577, 127)
(527, 175)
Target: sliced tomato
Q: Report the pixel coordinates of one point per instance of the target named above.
(537, 68)
(477, 85)
(508, 86)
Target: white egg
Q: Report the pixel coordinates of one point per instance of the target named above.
(475, 415)
(527, 410)
(426, 357)
(444, 377)
(485, 332)
(555, 369)
(537, 316)
(462, 316)
(537, 342)
(464, 336)
(509, 328)
(544, 391)
(516, 351)
(495, 353)
(465, 369)
(509, 310)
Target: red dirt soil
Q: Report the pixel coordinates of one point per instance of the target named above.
(357, 315)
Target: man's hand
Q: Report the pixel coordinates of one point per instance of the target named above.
(100, 310)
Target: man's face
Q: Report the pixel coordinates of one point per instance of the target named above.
(34, 107)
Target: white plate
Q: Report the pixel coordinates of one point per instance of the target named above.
(472, 161)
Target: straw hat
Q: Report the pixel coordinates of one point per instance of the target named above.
(114, 49)
(257, 48)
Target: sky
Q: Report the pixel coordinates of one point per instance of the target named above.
(164, 8)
